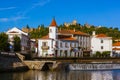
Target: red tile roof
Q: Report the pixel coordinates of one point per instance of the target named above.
(101, 35)
(116, 44)
(53, 23)
(69, 39)
(72, 32)
(116, 49)
(45, 37)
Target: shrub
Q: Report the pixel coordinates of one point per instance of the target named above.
(106, 54)
(98, 54)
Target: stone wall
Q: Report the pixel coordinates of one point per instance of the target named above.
(11, 63)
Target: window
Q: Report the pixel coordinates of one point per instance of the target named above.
(56, 44)
(50, 30)
(66, 45)
(61, 44)
(101, 47)
(101, 41)
(74, 44)
(56, 30)
(70, 44)
(44, 43)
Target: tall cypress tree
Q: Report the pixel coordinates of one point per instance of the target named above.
(4, 45)
(17, 42)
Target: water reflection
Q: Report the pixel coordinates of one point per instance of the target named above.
(62, 75)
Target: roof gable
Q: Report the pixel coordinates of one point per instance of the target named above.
(16, 30)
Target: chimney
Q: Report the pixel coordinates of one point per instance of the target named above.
(93, 33)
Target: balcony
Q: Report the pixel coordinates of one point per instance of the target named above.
(44, 47)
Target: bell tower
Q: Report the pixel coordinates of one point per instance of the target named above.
(53, 30)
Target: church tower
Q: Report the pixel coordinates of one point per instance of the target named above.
(53, 30)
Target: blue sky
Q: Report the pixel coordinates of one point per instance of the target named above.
(19, 13)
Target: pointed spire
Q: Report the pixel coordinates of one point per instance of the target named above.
(53, 23)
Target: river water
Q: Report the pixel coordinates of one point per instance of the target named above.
(61, 75)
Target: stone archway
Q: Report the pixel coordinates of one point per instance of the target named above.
(47, 66)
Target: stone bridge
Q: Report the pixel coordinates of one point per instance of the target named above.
(54, 62)
(41, 65)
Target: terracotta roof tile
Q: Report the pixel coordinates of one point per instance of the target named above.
(101, 35)
(116, 44)
(116, 49)
(69, 39)
(45, 37)
(72, 32)
(53, 23)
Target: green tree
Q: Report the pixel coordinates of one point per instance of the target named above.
(106, 54)
(17, 42)
(38, 33)
(4, 45)
(98, 54)
(27, 26)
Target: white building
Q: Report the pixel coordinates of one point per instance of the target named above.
(101, 43)
(25, 46)
(63, 42)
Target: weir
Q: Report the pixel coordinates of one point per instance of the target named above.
(72, 63)
(94, 66)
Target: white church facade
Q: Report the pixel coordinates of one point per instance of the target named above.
(63, 42)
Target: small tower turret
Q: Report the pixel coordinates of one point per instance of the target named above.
(53, 30)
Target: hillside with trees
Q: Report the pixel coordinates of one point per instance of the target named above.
(109, 31)
(39, 32)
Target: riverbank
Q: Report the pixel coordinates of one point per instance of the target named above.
(9, 63)
(16, 62)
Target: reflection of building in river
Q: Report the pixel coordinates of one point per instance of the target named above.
(62, 75)
(79, 75)
(35, 75)
(74, 75)
(102, 75)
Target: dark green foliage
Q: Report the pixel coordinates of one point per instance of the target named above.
(4, 45)
(106, 54)
(38, 33)
(98, 54)
(27, 26)
(109, 31)
(17, 44)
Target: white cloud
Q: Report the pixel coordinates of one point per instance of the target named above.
(41, 3)
(7, 8)
(21, 15)
(16, 18)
